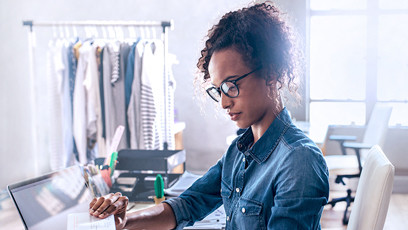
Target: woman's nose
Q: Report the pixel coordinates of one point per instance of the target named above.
(225, 101)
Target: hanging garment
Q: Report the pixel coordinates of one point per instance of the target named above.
(55, 71)
(125, 49)
(130, 70)
(171, 87)
(101, 144)
(93, 105)
(66, 108)
(79, 104)
(72, 67)
(101, 93)
(134, 111)
(129, 76)
(114, 93)
(146, 111)
(85, 104)
(152, 95)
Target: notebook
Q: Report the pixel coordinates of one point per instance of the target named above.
(45, 202)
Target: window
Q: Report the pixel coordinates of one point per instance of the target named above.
(358, 56)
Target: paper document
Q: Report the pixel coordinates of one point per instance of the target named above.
(215, 220)
(183, 183)
(84, 221)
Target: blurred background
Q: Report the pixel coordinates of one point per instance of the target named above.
(356, 55)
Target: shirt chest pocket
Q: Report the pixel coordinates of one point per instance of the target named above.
(226, 192)
(249, 215)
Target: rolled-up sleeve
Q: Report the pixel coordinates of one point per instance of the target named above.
(202, 198)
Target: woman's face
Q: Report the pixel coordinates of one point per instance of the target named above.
(252, 104)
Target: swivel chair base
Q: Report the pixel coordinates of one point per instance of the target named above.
(348, 199)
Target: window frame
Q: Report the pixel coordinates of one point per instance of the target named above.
(373, 13)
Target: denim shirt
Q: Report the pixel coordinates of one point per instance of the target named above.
(281, 182)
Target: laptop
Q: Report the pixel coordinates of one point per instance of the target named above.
(46, 201)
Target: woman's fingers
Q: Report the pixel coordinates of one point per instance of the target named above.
(124, 201)
(117, 208)
(105, 206)
(97, 202)
(92, 203)
(107, 202)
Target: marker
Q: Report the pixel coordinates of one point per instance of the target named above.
(159, 189)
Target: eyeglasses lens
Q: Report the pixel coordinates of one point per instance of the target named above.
(229, 89)
(214, 94)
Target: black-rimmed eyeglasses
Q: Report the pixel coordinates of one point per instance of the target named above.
(228, 87)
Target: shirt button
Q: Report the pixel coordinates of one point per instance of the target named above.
(237, 189)
(227, 218)
(243, 160)
(243, 210)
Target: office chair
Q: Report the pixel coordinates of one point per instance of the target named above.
(374, 134)
(373, 192)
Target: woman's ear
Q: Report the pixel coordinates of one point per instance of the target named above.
(270, 80)
(270, 88)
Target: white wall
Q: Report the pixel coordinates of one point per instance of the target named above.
(204, 136)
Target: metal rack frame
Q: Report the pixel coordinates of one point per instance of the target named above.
(165, 25)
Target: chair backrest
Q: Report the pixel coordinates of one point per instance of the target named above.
(373, 192)
(377, 126)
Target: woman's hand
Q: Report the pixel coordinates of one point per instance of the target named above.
(107, 205)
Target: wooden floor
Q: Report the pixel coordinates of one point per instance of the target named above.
(397, 217)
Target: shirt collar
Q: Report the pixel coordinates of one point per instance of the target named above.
(261, 150)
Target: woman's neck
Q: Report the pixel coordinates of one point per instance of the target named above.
(259, 128)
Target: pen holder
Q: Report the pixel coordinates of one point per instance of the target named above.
(159, 200)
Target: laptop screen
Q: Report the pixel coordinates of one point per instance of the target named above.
(46, 201)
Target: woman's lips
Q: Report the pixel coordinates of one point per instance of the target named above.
(234, 116)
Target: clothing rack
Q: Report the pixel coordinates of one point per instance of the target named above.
(163, 24)
(31, 40)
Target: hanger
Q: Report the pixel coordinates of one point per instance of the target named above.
(147, 33)
(132, 32)
(142, 32)
(61, 32)
(111, 32)
(153, 29)
(104, 33)
(54, 33)
(75, 32)
(119, 33)
(95, 32)
(66, 31)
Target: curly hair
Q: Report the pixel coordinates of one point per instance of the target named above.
(262, 37)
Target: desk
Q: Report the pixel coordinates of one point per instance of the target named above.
(206, 223)
(10, 219)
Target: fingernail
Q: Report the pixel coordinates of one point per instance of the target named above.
(91, 211)
(96, 213)
(102, 215)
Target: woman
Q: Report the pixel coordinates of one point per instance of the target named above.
(272, 176)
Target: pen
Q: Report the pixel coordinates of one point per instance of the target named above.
(112, 164)
(88, 181)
